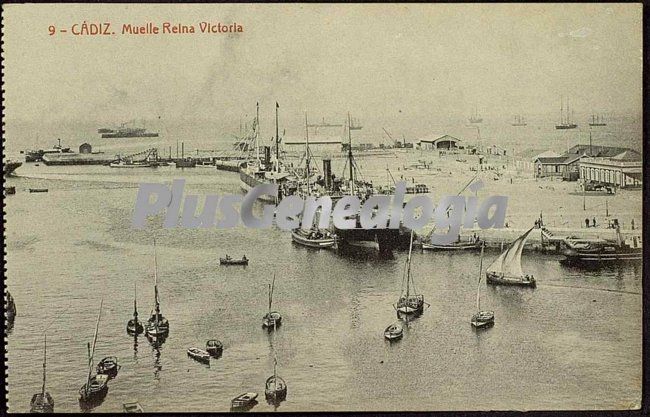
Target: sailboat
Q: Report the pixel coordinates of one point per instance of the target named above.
(597, 120)
(565, 122)
(275, 388)
(519, 121)
(506, 269)
(157, 326)
(134, 327)
(96, 387)
(271, 319)
(475, 118)
(42, 402)
(481, 318)
(409, 303)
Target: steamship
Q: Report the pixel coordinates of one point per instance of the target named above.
(125, 131)
(603, 252)
(264, 171)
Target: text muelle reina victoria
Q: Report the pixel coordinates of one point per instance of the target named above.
(377, 212)
(86, 28)
(179, 29)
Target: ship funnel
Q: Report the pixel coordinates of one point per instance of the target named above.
(267, 156)
(327, 173)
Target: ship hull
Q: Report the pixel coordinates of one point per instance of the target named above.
(128, 135)
(247, 182)
(564, 127)
(594, 259)
(10, 167)
(495, 279)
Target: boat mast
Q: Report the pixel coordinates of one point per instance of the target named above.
(307, 156)
(44, 365)
(135, 303)
(561, 110)
(91, 352)
(568, 121)
(350, 160)
(480, 272)
(408, 266)
(257, 130)
(155, 278)
(277, 139)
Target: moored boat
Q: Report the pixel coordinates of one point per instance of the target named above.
(9, 167)
(214, 348)
(314, 238)
(275, 387)
(42, 402)
(472, 244)
(157, 327)
(38, 190)
(481, 318)
(598, 253)
(198, 354)
(108, 366)
(244, 401)
(134, 326)
(10, 307)
(271, 319)
(130, 164)
(506, 269)
(231, 261)
(394, 332)
(409, 302)
(96, 387)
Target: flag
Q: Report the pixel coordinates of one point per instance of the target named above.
(277, 106)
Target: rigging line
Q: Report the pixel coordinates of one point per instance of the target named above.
(589, 288)
(55, 319)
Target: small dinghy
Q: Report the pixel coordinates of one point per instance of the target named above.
(230, 261)
(244, 401)
(38, 190)
(198, 355)
(214, 348)
(133, 407)
(108, 366)
(394, 332)
(94, 390)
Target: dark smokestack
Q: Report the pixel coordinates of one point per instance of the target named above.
(267, 155)
(327, 173)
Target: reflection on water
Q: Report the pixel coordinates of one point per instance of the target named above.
(334, 309)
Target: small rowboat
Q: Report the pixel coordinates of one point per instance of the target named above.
(470, 245)
(276, 389)
(230, 261)
(108, 366)
(133, 407)
(95, 390)
(198, 354)
(214, 348)
(483, 319)
(244, 401)
(272, 319)
(38, 190)
(394, 332)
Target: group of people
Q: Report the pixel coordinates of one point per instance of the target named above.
(593, 222)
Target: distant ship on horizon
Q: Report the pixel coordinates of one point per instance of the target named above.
(476, 117)
(597, 120)
(124, 131)
(565, 120)
(519, 121)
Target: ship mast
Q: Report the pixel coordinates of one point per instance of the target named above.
(350, 161)
(44, 365)
(277, 139)
(480, 272)
(257, 131)
(91, 352)
(307, 156)
(155, 285)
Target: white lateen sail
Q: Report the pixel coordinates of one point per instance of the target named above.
(509, 262)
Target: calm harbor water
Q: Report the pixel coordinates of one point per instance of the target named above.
(573, 342)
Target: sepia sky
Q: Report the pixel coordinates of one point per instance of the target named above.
(423, 61)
